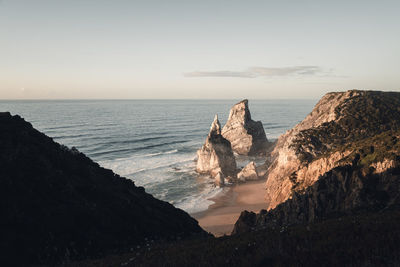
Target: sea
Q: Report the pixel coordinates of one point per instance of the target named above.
(152, 142)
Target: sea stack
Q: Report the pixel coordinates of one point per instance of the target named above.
(216, 157)
(247, 137)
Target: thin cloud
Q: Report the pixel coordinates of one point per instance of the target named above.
(254, 72)
(223, 73)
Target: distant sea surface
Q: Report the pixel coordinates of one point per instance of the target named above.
(152, 142)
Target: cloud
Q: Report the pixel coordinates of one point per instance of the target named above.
(223, 73)
(254, 72)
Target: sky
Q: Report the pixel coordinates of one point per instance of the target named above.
(120, 49)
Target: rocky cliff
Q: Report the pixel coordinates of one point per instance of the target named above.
(342, 159)
(58, 205)
(216, 157)
(247, 137)
(325, 137)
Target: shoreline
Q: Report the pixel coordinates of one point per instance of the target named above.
(220, 217)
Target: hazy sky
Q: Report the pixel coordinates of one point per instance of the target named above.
(196, 49)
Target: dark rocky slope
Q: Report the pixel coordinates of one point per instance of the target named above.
(357, 240)
(58, 205)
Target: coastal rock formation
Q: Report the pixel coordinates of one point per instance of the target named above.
(247, 137)
(326, 137)
(248, 173)
(342, 159)
(219, 179)
(216, 155)
(58, 205)
(343, 191)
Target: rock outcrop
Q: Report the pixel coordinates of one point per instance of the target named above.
(216, 155)
(343, 191)
(248, 173)
(326, 137)
(342, 159)
(247, 137)
(58, 205)
(219, 179)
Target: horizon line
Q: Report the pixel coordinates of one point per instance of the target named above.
(125, 99)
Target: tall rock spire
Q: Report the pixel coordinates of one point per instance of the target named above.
(215, 128)
(216, 157)
(247, 137)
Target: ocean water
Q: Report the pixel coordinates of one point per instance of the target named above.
(152, 142)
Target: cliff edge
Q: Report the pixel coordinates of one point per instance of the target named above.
(325, 137)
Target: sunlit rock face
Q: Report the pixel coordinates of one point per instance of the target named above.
(248, 173)
(247, 137)
(215, 157)
(326, 139)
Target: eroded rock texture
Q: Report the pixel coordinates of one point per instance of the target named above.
(216, 156)
(248, 173)
(326, 136)
(247, 137)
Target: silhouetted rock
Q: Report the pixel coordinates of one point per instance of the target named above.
(216, 155)
(58, 205)
(247, 137)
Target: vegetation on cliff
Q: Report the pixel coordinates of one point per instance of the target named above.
(363, 114)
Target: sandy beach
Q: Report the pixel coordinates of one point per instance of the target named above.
(220, 217)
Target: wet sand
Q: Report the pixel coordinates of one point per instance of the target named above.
(220, 217)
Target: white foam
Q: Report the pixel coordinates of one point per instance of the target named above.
(160, 153)
(135, 164)
(154, 169)
(199, 202)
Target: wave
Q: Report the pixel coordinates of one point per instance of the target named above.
(135, 164)
(100, 151)
(200, 202)
(161, 153)
(52, 128)
(71, 136)
(169, 164)
(276, 127)
(139, 139)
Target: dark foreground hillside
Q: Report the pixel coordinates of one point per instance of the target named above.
(370, 239)
(57, 205)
